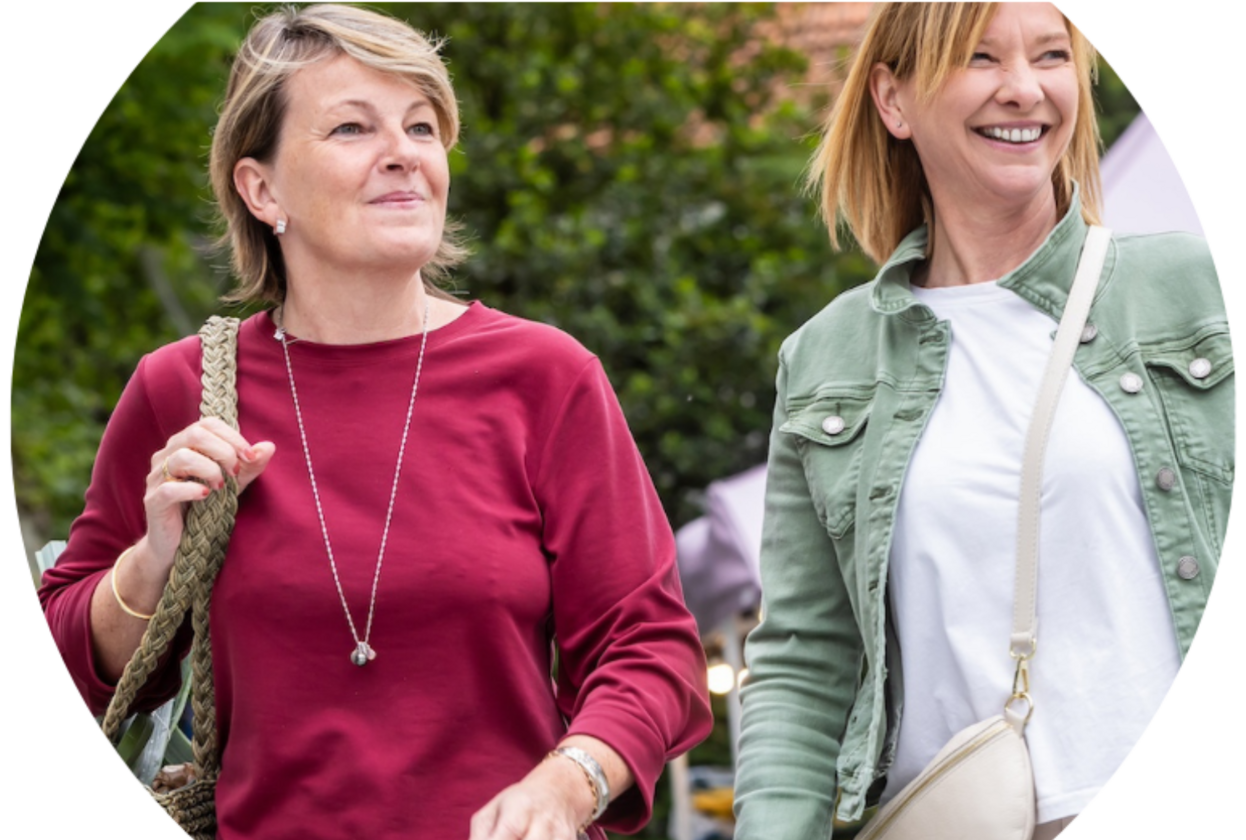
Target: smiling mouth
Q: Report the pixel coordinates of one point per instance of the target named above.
(1013, 135)
(398, 198)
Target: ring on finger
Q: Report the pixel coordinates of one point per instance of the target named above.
(164, 471)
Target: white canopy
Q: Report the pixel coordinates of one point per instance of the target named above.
(718, 553)
(1142, 191)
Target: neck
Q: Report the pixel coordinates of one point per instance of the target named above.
(980, 243)
(348, 311)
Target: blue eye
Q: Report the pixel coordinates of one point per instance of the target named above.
(348, 128)
(423, 129)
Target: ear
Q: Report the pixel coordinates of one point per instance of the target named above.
(253, 181)
(887, 96)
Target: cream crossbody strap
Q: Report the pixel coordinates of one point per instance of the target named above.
(1068, 336)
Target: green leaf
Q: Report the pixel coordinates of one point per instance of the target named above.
(180, 750)
(130, 747)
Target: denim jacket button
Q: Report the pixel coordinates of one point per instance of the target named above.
(1089, 332)
(1131, 383)
(1165, 479)
(1200, 368)
(833, 425)
(1187, 568)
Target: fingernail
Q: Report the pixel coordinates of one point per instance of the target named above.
(205, 492)
(237, 470)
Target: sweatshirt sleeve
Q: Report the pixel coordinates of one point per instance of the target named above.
(631, 666)
(112, 520)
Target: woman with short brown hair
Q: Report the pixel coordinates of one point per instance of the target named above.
(435, 496)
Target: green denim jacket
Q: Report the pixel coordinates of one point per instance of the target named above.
(821, 703)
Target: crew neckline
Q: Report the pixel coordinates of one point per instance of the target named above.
(970, 294)
(375, 351)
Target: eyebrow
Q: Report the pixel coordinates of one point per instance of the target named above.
(363, 104)
(1041, 40)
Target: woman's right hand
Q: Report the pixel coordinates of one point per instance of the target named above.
(187, 469)
(191, 466)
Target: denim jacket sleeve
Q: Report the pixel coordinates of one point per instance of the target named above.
(803, 661)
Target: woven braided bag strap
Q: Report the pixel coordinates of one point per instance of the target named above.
(199, 556)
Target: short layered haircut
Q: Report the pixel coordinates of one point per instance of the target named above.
(252, 114)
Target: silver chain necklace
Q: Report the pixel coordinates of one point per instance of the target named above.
(363, 652)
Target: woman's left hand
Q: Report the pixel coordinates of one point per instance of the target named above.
(550, 803)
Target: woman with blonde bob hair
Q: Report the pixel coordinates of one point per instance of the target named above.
(962, 155)
(480, 461)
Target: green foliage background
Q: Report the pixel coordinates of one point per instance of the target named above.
(625, 173)
(630, 173)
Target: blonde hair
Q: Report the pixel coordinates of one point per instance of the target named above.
(254, 108)
(873, 182)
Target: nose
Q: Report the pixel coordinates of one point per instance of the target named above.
(1020, 87)
(401, 153)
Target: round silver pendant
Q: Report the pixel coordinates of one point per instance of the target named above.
(362, 654)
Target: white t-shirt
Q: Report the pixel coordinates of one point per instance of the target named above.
(1107, 651)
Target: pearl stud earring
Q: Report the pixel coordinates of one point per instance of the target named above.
(280, 228)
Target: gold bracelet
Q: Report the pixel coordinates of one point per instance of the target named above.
(124, 606)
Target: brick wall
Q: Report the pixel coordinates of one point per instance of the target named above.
(825, 32)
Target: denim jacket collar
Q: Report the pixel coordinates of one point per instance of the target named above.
(1043, 279)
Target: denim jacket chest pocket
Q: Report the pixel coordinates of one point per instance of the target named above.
(828, 428)
(1194, 380)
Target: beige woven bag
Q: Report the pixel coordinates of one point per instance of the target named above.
(199, 557)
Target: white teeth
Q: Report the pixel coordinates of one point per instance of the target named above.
(1014, 135)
